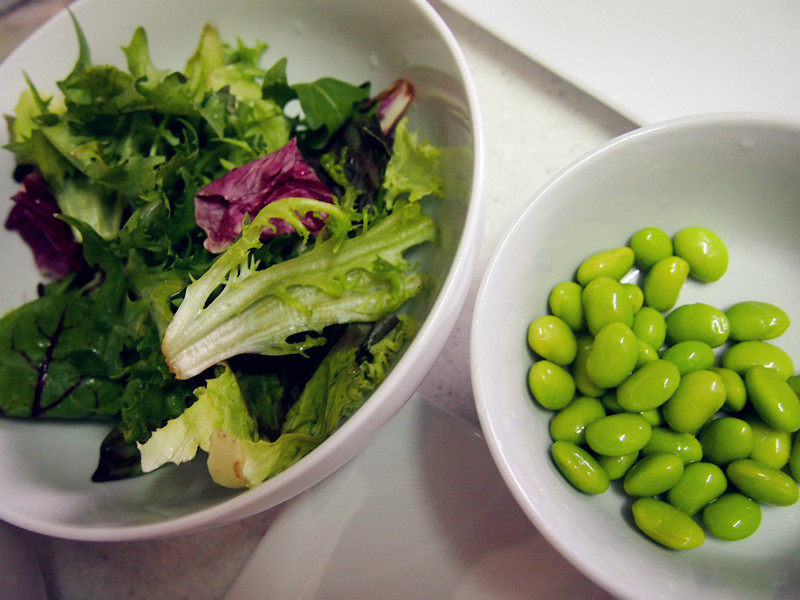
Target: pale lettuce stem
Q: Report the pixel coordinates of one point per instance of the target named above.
(325, 266)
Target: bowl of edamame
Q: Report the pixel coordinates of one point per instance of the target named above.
(633, 357)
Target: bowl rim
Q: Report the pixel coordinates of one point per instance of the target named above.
(481, 382)
(389, 398)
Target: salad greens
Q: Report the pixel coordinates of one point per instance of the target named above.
(223, 272)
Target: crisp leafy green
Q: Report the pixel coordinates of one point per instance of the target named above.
(134, 333)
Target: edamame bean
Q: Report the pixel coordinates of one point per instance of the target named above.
(725, 440)
(753, 320)
(614, 435)
(770, 446)
(701, 483)
(703, 250)
(646, 354)
(649, 386)
(616, 466)
(579, 467)
(794, 383)
(683, 445)
(569, 424)
(609, 400)
(566, 304)
(551, 385)
(652, 416)
(613, 263)
(794, 457)
(763, 483)
(689, 356)
(732, 517)
(735, 392)
(585, 385)
(699, 396)
(650, 327)
(744, 355)
(773, 398)
(635, 295)
(552, 339)
(700, 322)
(613, 355)
(605, 301)
(664, 281)
(650, 245)
(653, 475)
(666, 524)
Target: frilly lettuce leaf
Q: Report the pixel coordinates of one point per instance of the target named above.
(413, 171)
(219, 406)
(220, 424)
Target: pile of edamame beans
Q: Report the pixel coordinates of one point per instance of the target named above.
(688, 406)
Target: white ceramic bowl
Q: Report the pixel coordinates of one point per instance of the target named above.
(45, 468)
(737, 174)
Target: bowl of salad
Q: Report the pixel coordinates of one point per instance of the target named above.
(236, 235)
(662, 268)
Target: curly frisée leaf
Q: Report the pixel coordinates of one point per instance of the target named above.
(358, 279)
(219, 406)
(339, 386)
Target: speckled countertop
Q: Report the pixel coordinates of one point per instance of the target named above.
(535, 124)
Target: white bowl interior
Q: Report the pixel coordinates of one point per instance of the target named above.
(45, 467)
(738, 175)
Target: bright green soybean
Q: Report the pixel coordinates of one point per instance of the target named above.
(703, 250)
(772, 398)
(646, 354)
(582, 382)
(649, 386)
(753, 320)
(613, 263)
(726, 439)
(794, 383)
(666, 524)
(616, 466)
(565, 303)
(732, 517)
(698, 321)
(691, 355)
(652, 475)
(664, 281)
(770, 446)
(650, 326)
(605, 301)
(699, 396)
(552, 339)
(551, 385)
(635, 295)
(569, 424)
(613, 355)
(744, 355)
(683, 445)
(579, 467)
(700, 483)
(763, 483)
(652, 416)
(614, 435)
(794, 457)
(650, 245)
(735, 391)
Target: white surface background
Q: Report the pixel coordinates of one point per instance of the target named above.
(535, 124)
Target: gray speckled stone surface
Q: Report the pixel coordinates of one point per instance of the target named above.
(535, 124)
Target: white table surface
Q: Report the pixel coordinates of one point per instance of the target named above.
(535, 123)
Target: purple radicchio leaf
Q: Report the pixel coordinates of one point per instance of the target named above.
(221, 206)
(34, 217)
(393, 102)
